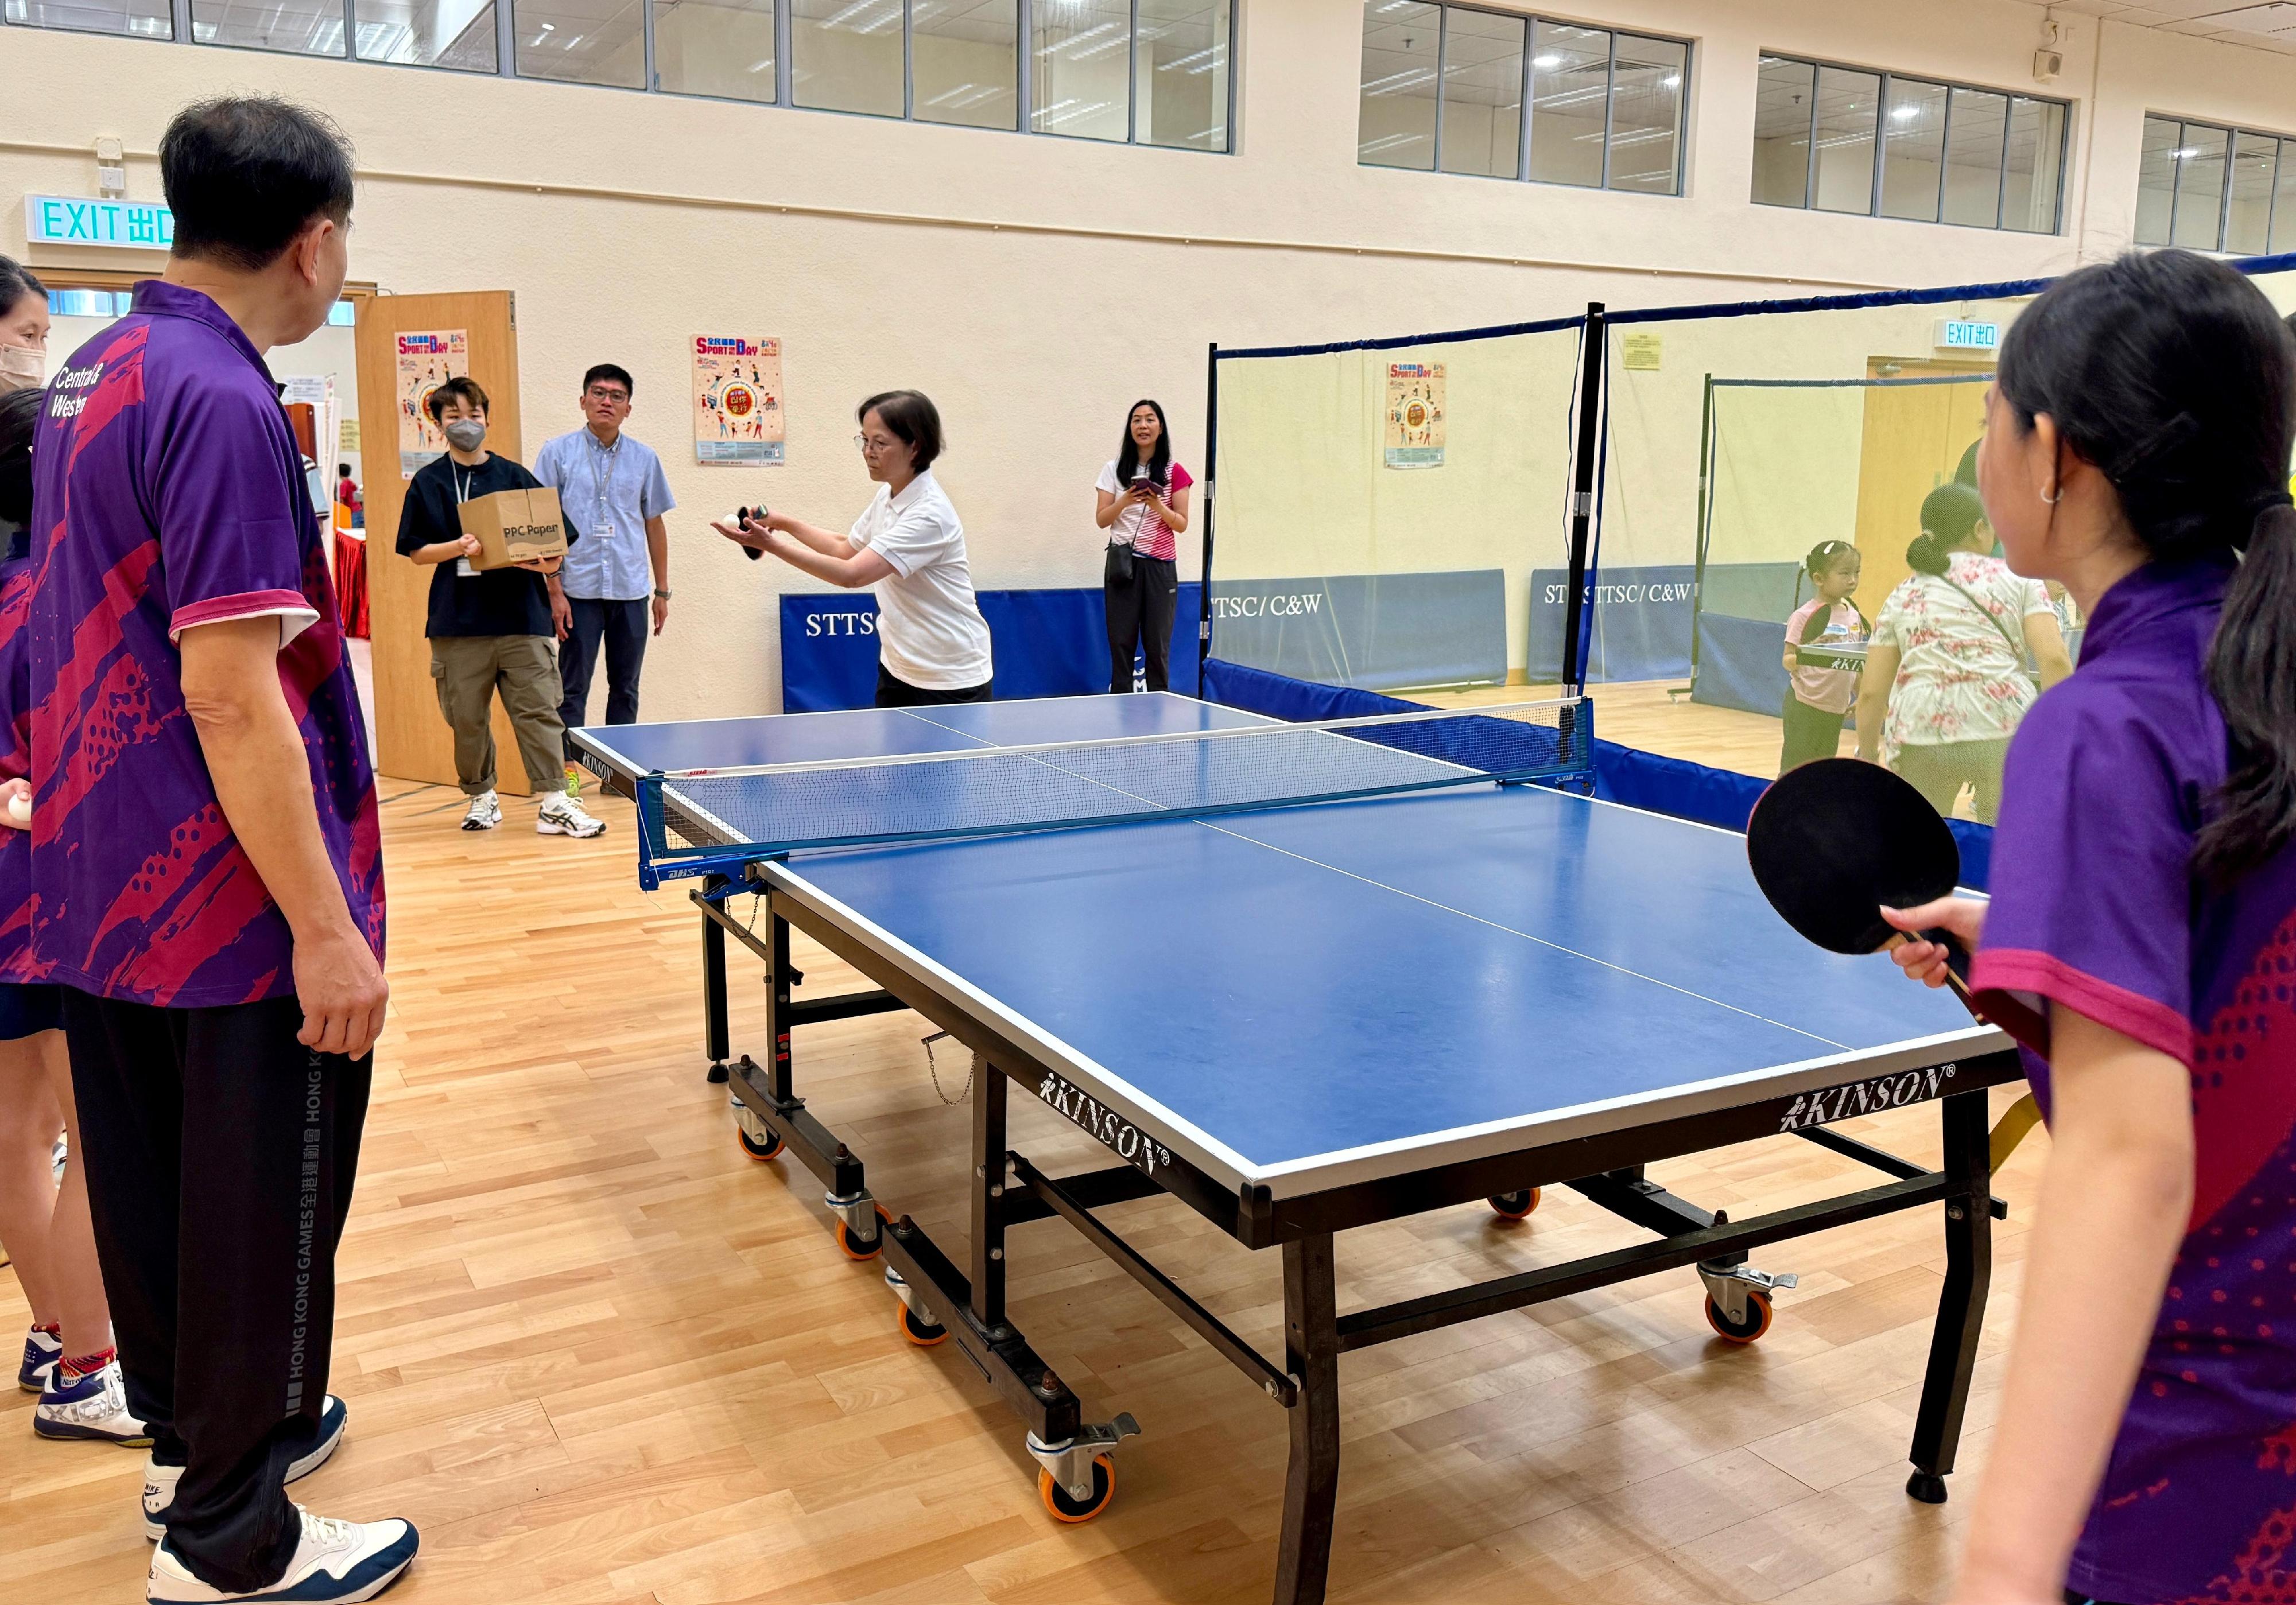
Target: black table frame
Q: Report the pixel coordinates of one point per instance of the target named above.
(1007, 1189)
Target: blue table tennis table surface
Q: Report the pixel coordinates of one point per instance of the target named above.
(1309, 996)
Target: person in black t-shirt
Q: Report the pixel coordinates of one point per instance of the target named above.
(490, 630)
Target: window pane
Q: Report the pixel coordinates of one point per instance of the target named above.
(1395, 116)
(2248, 224)
(1569, 100)
(718, 47)
(2284, 204)
(964, 56)
(303, 28)
(2200, 187)
(1975, 149)
(1782, 112)
(1646, 115)
(145, 18)
(844, 55)
(1912, 150)
(1848, 105)
(1482, 92)
(1181, 94)
(2037, 159)
(429, 33)
(1083, 51)
(2156, 179)
(581, 41)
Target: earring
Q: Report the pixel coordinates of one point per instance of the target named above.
(2053, 500)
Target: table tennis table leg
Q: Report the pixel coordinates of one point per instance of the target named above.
(1960, 1307)
(989, 1183)
(1311, 1481)
(716, 1030)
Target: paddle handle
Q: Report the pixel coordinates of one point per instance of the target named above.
(2027, 1026)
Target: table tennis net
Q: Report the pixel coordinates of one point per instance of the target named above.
(716, 820)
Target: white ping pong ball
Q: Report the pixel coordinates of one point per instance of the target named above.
(20, 810)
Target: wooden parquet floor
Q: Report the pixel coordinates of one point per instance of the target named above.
(603, 1359)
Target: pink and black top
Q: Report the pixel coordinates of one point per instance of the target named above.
(1143, 525)
(2096, 909)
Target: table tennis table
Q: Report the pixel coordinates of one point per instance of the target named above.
(1309, 1018)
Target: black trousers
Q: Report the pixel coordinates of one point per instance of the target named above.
(1811, 733)
(220, 1156)
(900, 693)
(1140, 615)
(621, 627)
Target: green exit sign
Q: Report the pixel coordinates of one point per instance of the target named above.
(75, 220)
(1967, 334)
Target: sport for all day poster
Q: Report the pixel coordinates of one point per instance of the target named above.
(1414, 414)
(737, 399)
(425, 362)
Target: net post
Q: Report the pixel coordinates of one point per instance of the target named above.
(1211, 466)
(648, 798)
(1596, 356)
(1706, 447)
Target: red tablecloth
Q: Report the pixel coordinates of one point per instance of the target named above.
(350, 581)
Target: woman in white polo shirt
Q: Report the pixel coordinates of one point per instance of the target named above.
(933, 644)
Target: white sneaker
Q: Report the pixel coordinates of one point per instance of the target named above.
(41, 1353)
(336, 1560)
(93, 1407)
(160, 1481)
(485, 815)
(563, 815)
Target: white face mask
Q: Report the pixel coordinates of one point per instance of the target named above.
(21, 369)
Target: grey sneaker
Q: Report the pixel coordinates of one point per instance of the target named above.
(485, 815)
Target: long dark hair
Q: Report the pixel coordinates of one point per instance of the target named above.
(2173, 374)
(1127, 455)
(1948, 514)
(16, 282)
(19, 421)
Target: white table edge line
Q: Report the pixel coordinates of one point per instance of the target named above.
(1803, 1075)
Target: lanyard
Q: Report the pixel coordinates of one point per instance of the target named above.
(462, 485)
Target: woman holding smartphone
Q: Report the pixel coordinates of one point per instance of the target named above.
(908, 547)
(1144, 503)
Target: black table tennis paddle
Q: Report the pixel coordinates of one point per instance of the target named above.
(742, 516)
(1833, 841)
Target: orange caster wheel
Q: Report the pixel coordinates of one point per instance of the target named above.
(770, 1149)
(1064, 1506)
(856, 1248)
(923, 1334)
(1757, 1321)
(1515, 1206)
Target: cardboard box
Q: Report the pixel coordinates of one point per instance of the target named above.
(515, 527)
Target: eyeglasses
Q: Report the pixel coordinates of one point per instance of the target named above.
(868, 445)
(596, 393)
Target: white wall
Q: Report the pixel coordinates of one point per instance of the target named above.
(1035, 286)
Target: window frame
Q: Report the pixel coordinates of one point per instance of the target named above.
(1530, 21)
(2283, 144)
(1887, 81)
(506, 26)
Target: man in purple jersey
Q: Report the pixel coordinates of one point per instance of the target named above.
(206, 865)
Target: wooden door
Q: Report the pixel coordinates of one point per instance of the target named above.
(412, 740)
(1914, 441)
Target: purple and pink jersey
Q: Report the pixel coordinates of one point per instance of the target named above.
(168, 492)
(2095, 909)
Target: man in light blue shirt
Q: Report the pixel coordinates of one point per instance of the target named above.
(613, 493)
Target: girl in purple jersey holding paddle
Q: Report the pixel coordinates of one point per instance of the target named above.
(2136, 450)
